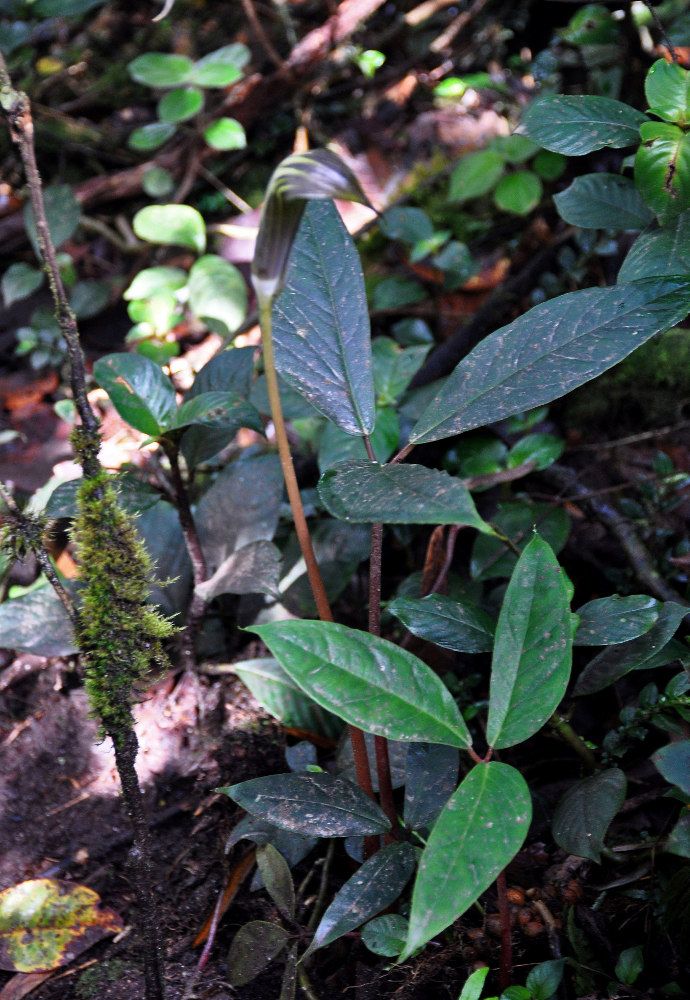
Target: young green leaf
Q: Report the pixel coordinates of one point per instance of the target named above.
(667, 88)
(578, 125)
(609, 621)
(139, 391)
(149, 137)
(585, 812)
(603, 201)
(475, 175)
(554, 348)
(368, 681)
(366, 492)
(160, 69)
(662, 169)
(222, 67)
(472, 990)
(316, 804)
(376, 885)
(629, 965)
(171, 225)
(180, 105)
(19, 281)
(544, 979)
(445, 622)
(217, 294)
(321, 324)
(254, 947)
(519, 192)
(225, 133)
(533, 648)
(478, 833)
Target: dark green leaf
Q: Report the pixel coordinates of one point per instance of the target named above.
(518, 192)
(514, 148)
(659, 251)
(662, 169)
(228, 371)
(365, 492)
(544, 979)
(19, 281)
(376, 885)
(579, 125)
(533, 648)
(321, 323)
(36, 623)
(478, 833)
(397, 758)
(171, 225)
(316, 804)
(394, 368)
(366, 680)
(159, 528)
(293, 846)
(616, 661)
(673, 762)
(591, 25)
(225, 133)
(432, 777)
(476, 174)
(396, 292)
(407, 224)
(242, 506)
(585, 812)
(438, 619)
(280, 695)
(277, 879)
(218, 294)
(603, 201)
(339, 549)
(160, 69)
(253, 948)
(667, 88)
(608, 621)
(629, 965)
(516, 520)
(542, 449)
(336, 446)
(222, 67)
(386, 935)
(139, 391)
(550, 166)
(88, 298)
(63, 213)
(550, 350)
(678, 840)
(252, 569)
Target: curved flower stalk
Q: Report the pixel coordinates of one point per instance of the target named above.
(317, 174)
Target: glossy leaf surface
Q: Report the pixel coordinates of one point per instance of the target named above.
(667, 88)
(585, 812)
(578, 125)
(315, 804)
(478, 833)
(386, 935)
(321, 323)
(441, 620)
(376, 885)
(533, 648)
(659, 251)
(616, 661)
(176, 225)
(368, 681)
(215, 411)
(140, 392)
(662, 169)
(608, 621)
(364, 492)
(283, 698)
(46, 923)
(603, 201)
(552, 349)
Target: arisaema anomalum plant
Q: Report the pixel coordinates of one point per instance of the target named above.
(316, 174)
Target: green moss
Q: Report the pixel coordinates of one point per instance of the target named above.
(119, 634)
(94, 979)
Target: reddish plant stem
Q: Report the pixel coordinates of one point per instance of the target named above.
(505, 972)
